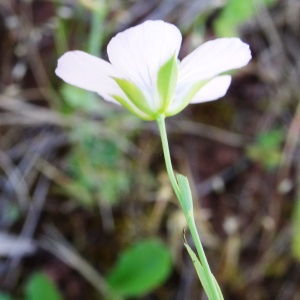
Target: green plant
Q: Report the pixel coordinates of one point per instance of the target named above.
(234, 14)
(267, 148)
(40, 286)
(5, 296)
(140, 269)
(145, 76)
(97, 166)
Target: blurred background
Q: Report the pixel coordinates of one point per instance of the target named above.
(86, 207)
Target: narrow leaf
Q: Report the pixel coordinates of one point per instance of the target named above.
(199, 269)
(186, 200)
(218, 287)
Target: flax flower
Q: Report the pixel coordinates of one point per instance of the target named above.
(144, 73)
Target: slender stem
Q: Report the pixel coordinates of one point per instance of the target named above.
(189, 218)
(95, 40)
(202, 257)
(164, 139)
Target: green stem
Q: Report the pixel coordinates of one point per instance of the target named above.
(164, 139)
(96, 32)
(190, 220)
(202, 257)
(60, 36)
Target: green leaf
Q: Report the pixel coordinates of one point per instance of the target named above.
(166, 82)
(218, 287)
(97, 168)
(267, 148)
(39, 286)
(199, 270)
(201, 274)
(140, 269)
(186, 200)
(135, 95)
(4, 296)
(79, 99)
(234, 14)
(270, 139)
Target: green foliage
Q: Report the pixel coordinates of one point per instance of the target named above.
(96, 32)
(186, 199)
(266, 150)
(40, 286)
(202, 276)
(234, 14)
(4, 296)
(77, 99)
(186, 202)
(97, 166)
(140, 269)
(95, 163)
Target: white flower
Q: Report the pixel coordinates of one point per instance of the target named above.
(145, 75)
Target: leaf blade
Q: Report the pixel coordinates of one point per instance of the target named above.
(140, 269)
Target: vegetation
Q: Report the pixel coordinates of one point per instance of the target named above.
(86, 208)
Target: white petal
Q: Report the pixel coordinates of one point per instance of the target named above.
(213, 90)
(213, 58)
(140, 51)
(88, 72)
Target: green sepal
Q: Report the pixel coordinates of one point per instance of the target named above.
(135, 95)
(166, 82)
(133, 109)
(193, 90)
